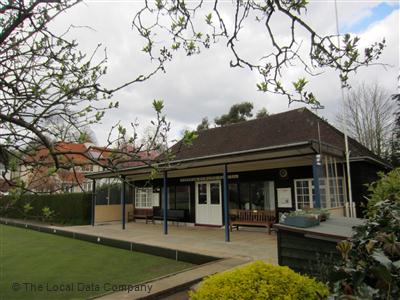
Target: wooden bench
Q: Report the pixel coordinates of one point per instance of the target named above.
(252, 218)
(141, 213)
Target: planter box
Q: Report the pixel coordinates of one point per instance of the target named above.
(300, 221)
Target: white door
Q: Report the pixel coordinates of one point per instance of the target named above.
(208, 203)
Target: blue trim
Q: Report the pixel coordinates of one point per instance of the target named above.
(123, 201)
(93, 202)
(226, 204)
(165, 206)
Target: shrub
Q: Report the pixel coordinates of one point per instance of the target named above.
(27, 209)
(47, 213)
(386, 188)
(371, 260)
(259, 280)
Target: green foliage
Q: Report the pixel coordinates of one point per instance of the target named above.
(237, 113)
(158, 105)
(47, 213)
(27, 208)
(371, 260)
(72, 208)
(262, 113)
(189, 137)
(204, 125)
(259, 280)
(386, 188)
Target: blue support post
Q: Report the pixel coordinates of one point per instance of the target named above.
(123, 200)
(316, 176)
(226, 204)
(93, 202)
(165, 204)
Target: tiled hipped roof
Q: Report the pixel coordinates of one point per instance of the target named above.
(299, 125)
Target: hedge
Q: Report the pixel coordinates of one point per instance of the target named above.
(72, 208)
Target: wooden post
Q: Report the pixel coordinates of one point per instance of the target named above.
(226, 204)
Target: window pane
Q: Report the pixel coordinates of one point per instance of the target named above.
(257, 195)
(171, 197)
(233, 196)
(182, 197)
(303, 193)
(144, 198)
(244, 195)
(202, 193)
(215, 195)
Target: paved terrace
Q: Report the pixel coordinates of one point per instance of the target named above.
(252, 243)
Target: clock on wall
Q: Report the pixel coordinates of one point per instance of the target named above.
(283, 173)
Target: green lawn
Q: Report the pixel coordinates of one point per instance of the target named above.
(30, 260)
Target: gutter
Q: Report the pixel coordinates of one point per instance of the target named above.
(176, 162)
(374, 160)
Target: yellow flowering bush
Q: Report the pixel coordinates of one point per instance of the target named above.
(259, 280)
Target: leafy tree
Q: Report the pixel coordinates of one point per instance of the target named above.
(204, 125)
(196, 25)
(262, 113)
(44, 76)
(237, 113)
(386, 188)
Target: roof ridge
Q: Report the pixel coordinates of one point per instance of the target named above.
(256, 119)
(350, 139)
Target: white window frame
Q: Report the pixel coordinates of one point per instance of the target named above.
(144, 197)
(328, 199)
(87, 186)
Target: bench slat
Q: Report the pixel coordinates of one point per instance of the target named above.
(250, 217)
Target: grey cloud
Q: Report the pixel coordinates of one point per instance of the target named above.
(205, 85)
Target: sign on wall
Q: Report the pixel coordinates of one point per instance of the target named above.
(284, 197)
(208, 178)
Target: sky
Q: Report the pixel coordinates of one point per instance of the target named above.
(205, 85)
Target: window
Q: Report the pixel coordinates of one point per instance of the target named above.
(182, 197)
(178, 197)
(67, 187)
(202, 190)
(258, 195)
(144, 198)
(87, 168)
(214, 193)
(233, 196)
(331, 192)
(303, 196)
(87, 186)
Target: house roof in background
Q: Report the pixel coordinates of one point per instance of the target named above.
(80, 154)
(294, 126)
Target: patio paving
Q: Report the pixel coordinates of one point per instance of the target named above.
(253, 244)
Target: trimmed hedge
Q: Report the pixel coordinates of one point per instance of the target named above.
(261, 281)
(73, 208)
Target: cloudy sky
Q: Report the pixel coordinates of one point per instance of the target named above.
(205, 85)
